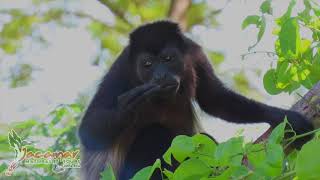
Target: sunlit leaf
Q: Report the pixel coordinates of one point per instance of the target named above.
(230, 152)
(270, 81)
(108, 174)
(289, 37)
(280, 21)
(307, 164)
(146, 173)
(182, 147)
(250, 20)
(266, 7)
(191, 169)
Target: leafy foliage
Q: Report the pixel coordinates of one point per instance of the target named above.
(200, 158)
(298, 57)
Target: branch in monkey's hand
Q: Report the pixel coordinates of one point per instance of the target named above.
(309, 106)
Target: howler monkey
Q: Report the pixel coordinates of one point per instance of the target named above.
(145, 100)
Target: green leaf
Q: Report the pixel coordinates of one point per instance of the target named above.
(307, 164)
(230, 152)
(10, 46)
(16, 137)
(291, 159)
(240, 171)
(305, 46)
(257, 160)
(251, 20)
(216, 57)
(58, 115)
(315, 69)
(25, 125)
(275, 157)
(204, 144)
(3, 167)
(262, 28)
(316, 11)
(277, 133)
(143, 174)
(233, 172)
(191, 169)
(266, 7)
(14, 140)
(255, 176)
(205, 148)
(49, 178)
(167, 156)
(289, 37)
(251, 147)
(196, 13)
(76, 108)
(146, 173)
(305, 14)
(304, 79)
(270, 81)
(265, 162)
(182, 147)
(97, 29)
(278, 48)
(111, 42)
(280, 21)
(156, 165)
(168, 173)
(108, 174)
(283, 74)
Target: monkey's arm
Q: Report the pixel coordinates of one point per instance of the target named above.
(101, 124)
(110, 109)
(218, 101)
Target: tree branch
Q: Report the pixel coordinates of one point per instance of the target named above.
(308, 105)
(178, 11)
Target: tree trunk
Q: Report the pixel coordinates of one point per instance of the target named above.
(178, 12)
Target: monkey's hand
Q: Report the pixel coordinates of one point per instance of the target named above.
(300, 125)
(133, 99)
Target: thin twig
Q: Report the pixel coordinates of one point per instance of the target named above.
(268, 53)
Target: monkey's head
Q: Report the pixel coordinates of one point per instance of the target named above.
(157, 50)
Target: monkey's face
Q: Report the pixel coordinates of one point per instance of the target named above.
(163, 67)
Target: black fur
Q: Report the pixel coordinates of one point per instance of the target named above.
(139, 108)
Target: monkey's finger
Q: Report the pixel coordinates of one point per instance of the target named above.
(134, 93)
(153, 91)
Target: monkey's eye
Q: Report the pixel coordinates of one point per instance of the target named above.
(167, 58)
(147, 63)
